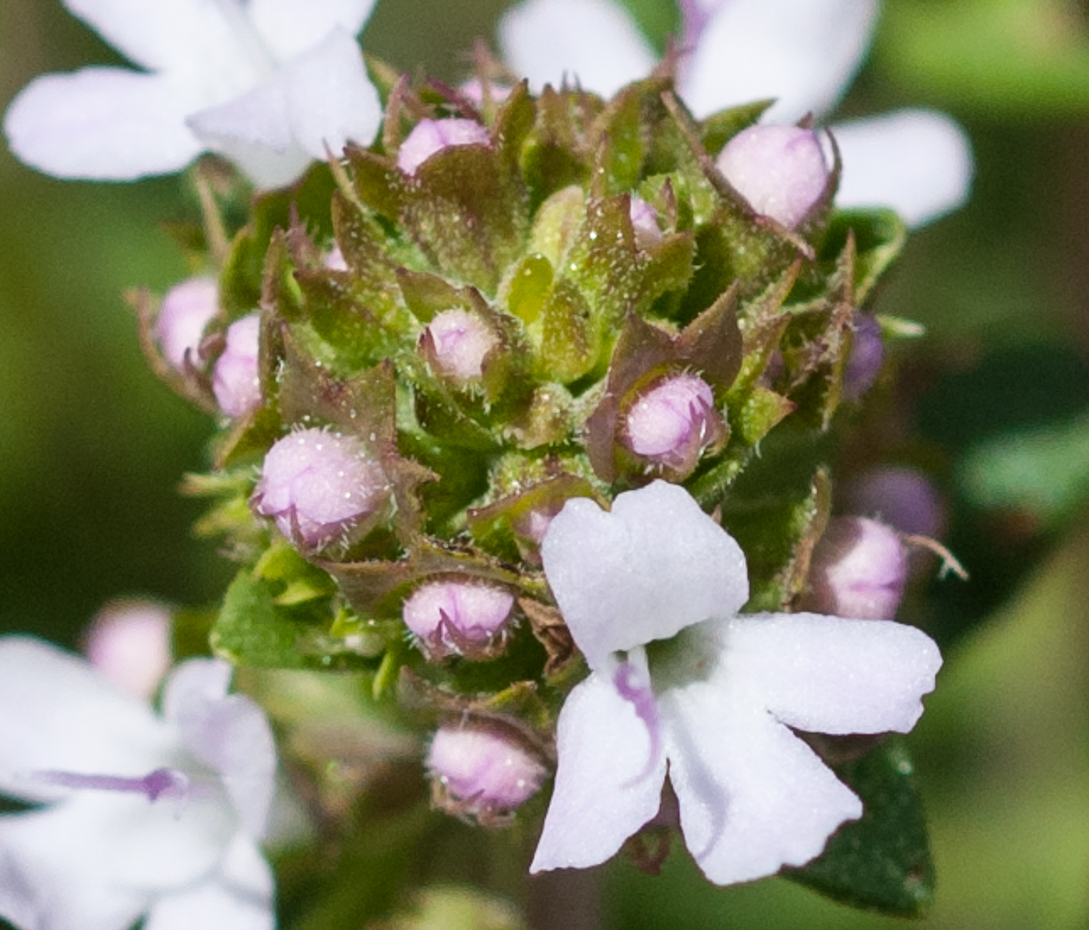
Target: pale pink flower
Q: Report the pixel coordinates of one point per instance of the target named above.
(718, 705)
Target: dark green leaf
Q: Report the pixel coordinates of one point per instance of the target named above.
(881, 862)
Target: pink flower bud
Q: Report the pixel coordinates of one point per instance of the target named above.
(319, 487)
(866, 358)
(429, 136)
(129, 642)
(455, 616)
(334, 259)
(186, 310)
(779, 170)
(482, 772)
(474, 90)
(456, 343)
(859, 569)
(236, 381)
(673, 422)
(644, 222)
(900, 496)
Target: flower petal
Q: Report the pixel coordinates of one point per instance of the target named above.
(228, 732)
(290, 28)
(239, 898)
(595, 42)
(99, 846)
(653, 565)
(153, 846)
(254, 132)
(51, 880)
(831, 675)
(918, 162)
(607, 786)
(330, 98)
(168, 35)
(58, 714)
(804, 52)
(102, 124)
(321, 99)
(753, 797)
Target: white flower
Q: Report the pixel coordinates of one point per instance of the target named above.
(705, 693)
(802, 52)
(142, 815)
(267, 83)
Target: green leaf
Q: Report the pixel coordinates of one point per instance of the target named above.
(881, 862)
(777, 511)
(252, 630)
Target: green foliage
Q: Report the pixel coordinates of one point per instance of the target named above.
(882, 861)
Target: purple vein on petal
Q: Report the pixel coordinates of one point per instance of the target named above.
(162, 782)
(641, 698)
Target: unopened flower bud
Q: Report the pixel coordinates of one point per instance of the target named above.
(779, 170)
(456, 343)
(474, 90)
(319, 487)
(900, 496)
(236, 380)
(644, 222)
(429, 136)
(866, 358)
(673, 422)
(129, 642)
(482, 772)
(859, 569)
(186, 310)
(455, 616)
(334, 259)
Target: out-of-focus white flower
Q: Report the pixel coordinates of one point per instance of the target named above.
(651, 592)
(267, 83)
(142, 814)
(804, 53)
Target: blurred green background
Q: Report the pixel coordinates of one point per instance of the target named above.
(994, 402)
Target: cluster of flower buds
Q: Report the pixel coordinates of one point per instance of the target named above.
(521, 403)
(511, 311)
